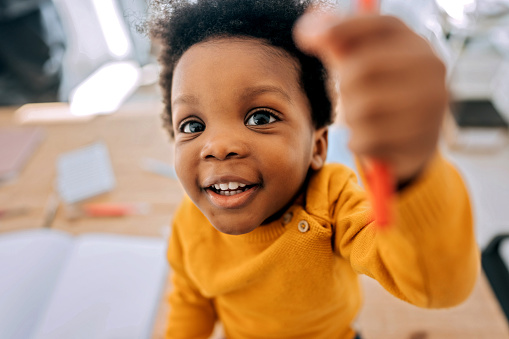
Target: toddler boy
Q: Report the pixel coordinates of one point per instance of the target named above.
(271, 238)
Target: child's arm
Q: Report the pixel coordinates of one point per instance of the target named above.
(191, 314)
(393, 92)
(429, 256)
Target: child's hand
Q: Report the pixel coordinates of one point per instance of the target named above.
(392, 86)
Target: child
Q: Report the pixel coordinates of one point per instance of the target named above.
(271, 239)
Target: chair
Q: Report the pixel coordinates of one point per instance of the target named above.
(497, 271)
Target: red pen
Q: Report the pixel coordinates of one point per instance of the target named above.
(113, 209)
(13, 212)
(104, 210)
(378, 175)
(367, 6)
(381, 191)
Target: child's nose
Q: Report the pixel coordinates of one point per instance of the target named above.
(222, 145)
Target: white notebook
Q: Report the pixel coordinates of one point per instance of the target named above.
(93, 286)
(84, 172)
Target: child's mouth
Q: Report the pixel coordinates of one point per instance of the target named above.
(231, 195)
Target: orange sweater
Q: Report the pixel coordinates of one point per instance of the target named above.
(297, 277)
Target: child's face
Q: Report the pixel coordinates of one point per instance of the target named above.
(244, 138)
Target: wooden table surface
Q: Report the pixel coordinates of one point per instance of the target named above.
(131, 135)
(135, 133)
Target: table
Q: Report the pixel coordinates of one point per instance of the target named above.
(385, 317)
(131, 135)
(135, 133)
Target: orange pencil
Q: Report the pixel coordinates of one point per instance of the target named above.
(113, 209)
(378, 174)
(368, 6)
(381, 191)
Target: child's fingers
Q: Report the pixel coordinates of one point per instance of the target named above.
(402, 100)
(370, 75)
(355, 31)
(331, 37)
(365, 139)
(386, 128)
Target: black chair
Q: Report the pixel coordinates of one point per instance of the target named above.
(497, 271)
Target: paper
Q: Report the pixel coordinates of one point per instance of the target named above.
(17, 144)
(84, 173)
(100, 286)
(110, 289)
(30, 263)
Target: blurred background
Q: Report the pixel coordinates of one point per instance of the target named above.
(48, 49)
(89, 52)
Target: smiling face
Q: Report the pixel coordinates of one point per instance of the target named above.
(244, 137)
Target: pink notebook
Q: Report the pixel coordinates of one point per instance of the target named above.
(17, 144)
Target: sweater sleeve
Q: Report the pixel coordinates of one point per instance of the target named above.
(428, 256)
(191, 314)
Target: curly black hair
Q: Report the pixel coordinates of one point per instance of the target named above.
(179, 24)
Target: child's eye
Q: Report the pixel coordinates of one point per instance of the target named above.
(191, 126)
(261, 117)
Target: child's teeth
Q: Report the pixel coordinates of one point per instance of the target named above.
(230, 188)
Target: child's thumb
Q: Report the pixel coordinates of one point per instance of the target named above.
(313, 34)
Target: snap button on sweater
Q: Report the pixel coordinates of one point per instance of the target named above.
(303, 226)
(287, 218)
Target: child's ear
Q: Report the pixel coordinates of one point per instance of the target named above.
(319, 148)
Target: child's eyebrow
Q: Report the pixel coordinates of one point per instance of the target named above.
(185, 99)
(259, 90)
(247, 93)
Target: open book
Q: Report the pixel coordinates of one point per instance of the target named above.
(54, 285)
